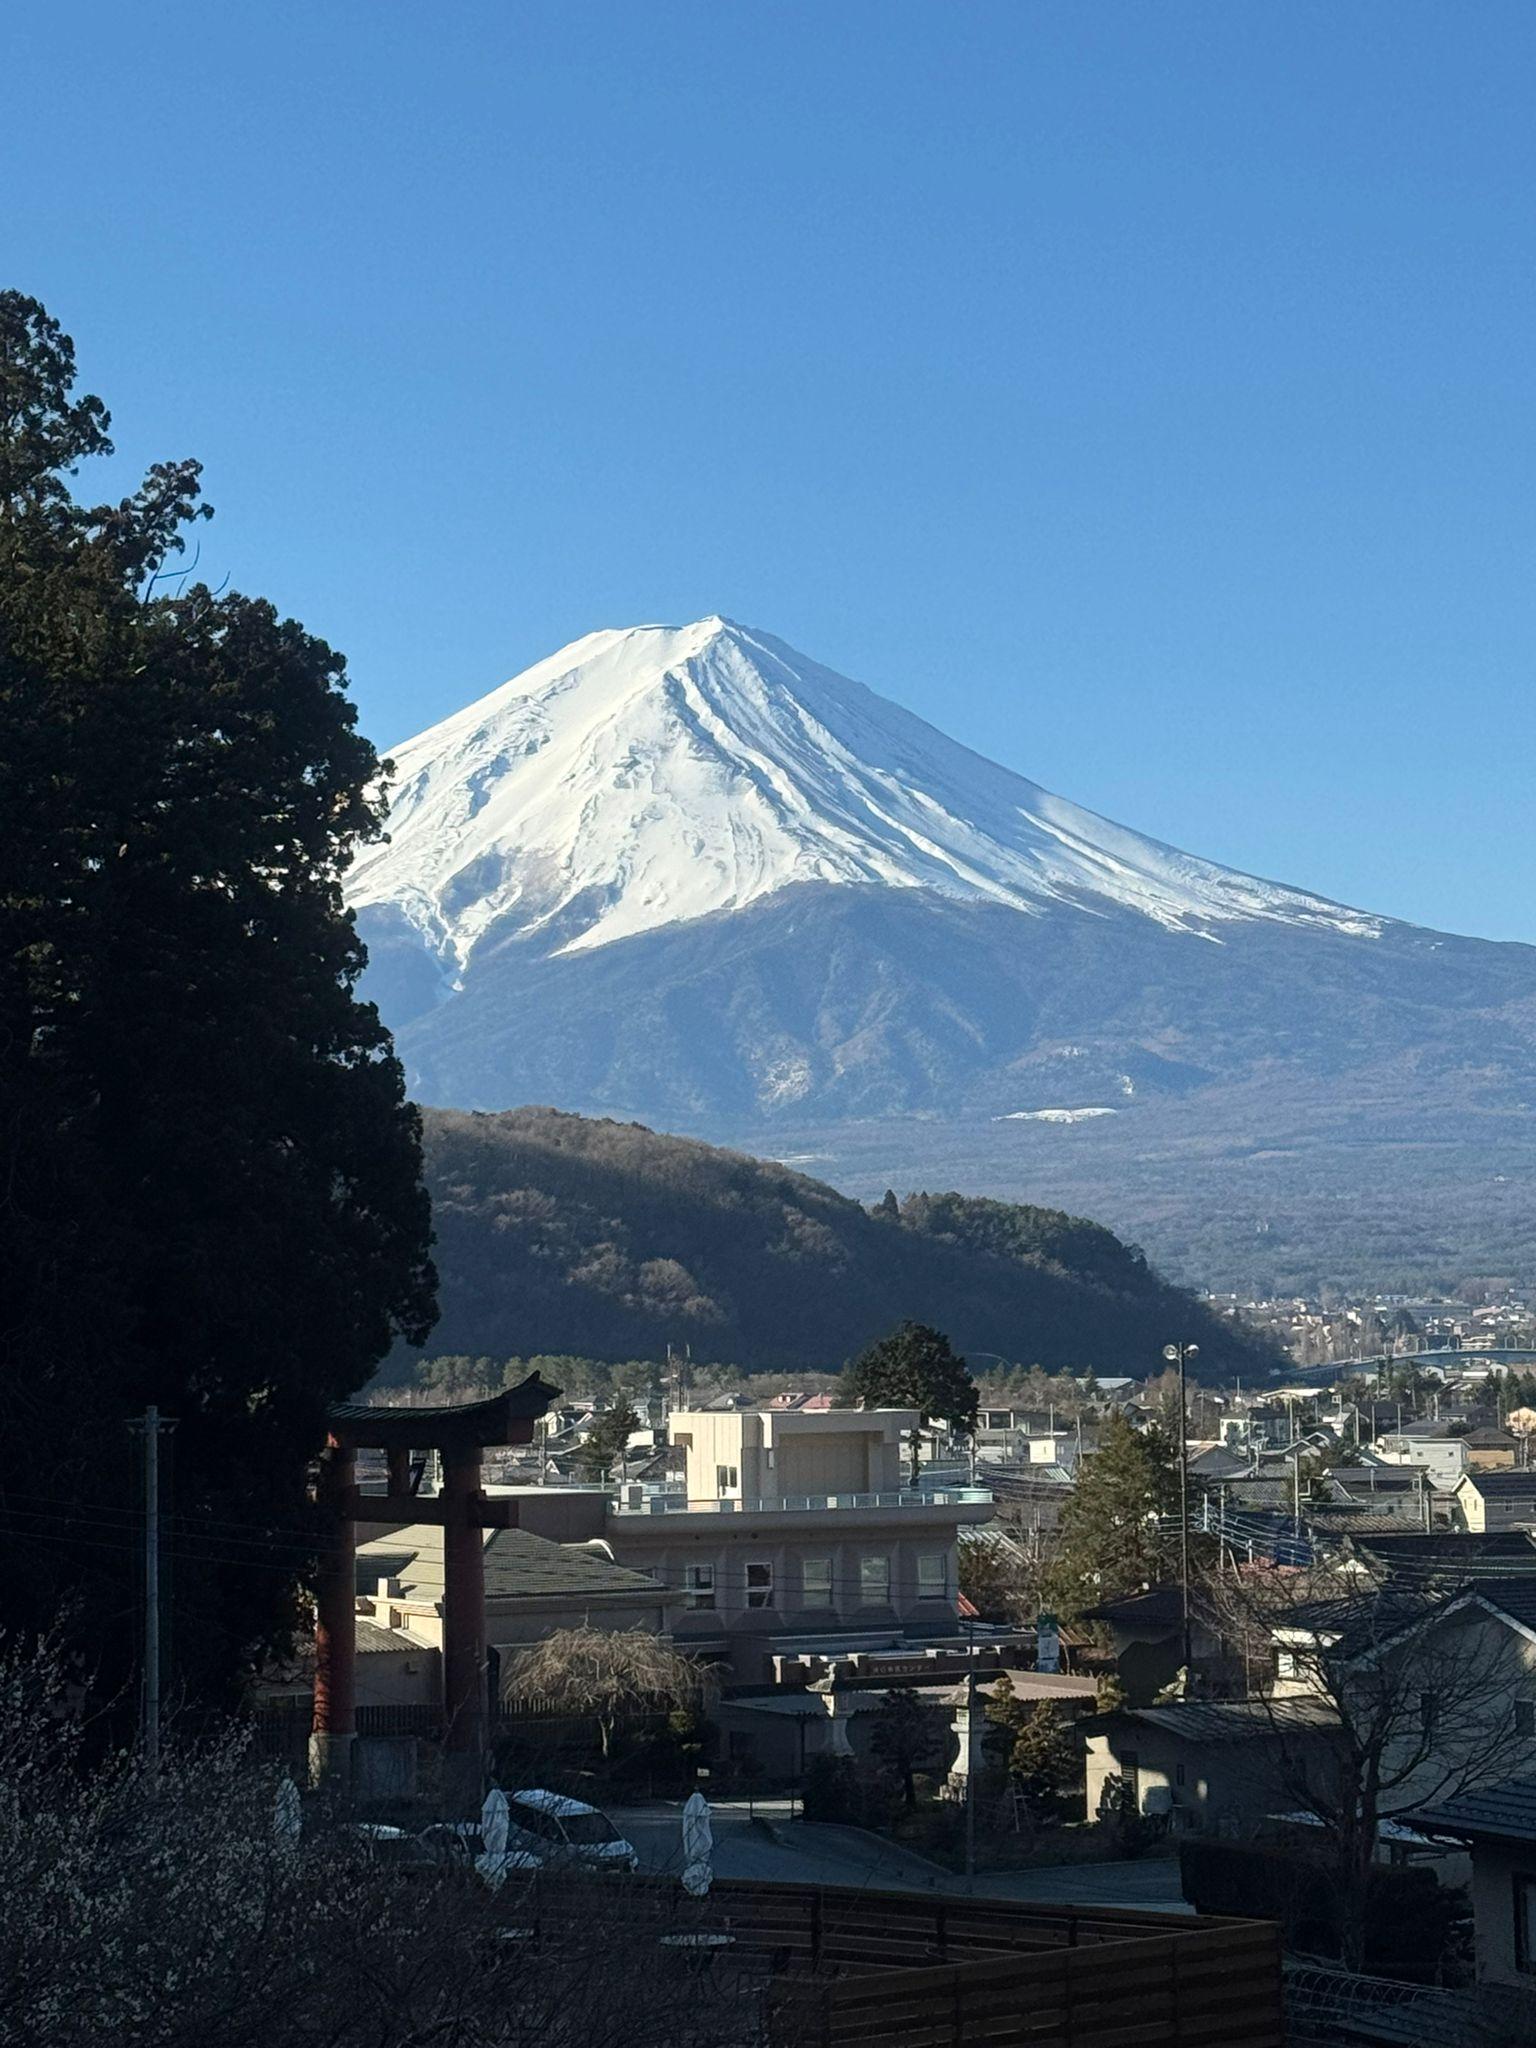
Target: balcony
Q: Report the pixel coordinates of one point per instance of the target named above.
(901, 1499)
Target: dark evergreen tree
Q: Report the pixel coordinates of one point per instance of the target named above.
(210, 1191)
(1114, 1536)
(914, 1367)
(901, 1738)
(608, 1440)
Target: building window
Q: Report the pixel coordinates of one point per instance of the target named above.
(1525, 1718)
(933, 1577)
(816, 1582)
(1285, 1664)
(726, 1479)
(1130, 1777)
(1429, 1706)
(759, 1585)
(1525, 1922)
(874, 1581)
(1178, 1774)
(699, 1586)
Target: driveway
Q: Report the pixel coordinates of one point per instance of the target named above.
(766, 1844)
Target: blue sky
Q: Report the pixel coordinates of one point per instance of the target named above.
(1141, 390)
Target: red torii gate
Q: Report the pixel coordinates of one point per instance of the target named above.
(462, 1510)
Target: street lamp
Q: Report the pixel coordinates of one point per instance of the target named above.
(1180, 1355)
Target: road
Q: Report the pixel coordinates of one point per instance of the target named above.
(766, 1844)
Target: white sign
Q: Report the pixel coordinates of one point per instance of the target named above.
(1047, 1644)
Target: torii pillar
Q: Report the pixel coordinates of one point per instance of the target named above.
(460, 1435)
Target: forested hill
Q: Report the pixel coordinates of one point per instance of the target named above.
(561, 1233)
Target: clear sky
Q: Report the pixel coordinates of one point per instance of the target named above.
(1140, 389)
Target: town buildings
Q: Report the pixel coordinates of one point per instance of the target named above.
(797, 1534)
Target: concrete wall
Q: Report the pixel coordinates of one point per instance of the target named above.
(562, 1514)
(399, 1678)
(848, 1450)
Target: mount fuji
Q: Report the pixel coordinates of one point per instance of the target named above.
(688, 875)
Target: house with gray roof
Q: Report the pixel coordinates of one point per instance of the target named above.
(532, 1587)
(1497, 1823)
(1496, 1500)
(1210, 1766)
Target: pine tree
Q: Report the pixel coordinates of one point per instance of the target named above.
(608, 1440)
(1043, 1761)
(901, 1739)
(1111, 1541)
(914, 1367)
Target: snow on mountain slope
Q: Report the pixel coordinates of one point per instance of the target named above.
(646, 778)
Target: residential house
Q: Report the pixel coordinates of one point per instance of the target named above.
(1446, 1558)
(1444, 1676)
(1495, 1500)
(1215, 1767)
(1492, 1450)
(1443, 1456)
(532, 1587)
(798, 1533)
(782, 1731)
(1498, 1824)
(1403, 1492)
(1146, 1641)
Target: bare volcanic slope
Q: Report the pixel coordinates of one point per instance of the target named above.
(558, 1233)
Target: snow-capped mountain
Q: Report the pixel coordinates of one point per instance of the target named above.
(685, 874)
(644, 778)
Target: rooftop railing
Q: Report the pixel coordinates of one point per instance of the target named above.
(808, 1503)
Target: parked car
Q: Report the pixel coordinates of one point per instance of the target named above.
(558, 1831)
(460, 1844)
(373, 1842)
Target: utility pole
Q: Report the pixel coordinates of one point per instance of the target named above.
(149, 1725)
(1180, 1354)
(970, 1754)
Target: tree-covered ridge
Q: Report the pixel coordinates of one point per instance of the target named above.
(1019, 1230)
(559, 1233)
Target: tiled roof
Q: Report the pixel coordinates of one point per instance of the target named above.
(1505, 1812)
(1236, 1720)
(1355, 1624)
(518, 1566)
(1450, 1557)
(1361, 1481)
(1159, 1608)
(1507, 1485)
(1514, 1596)
(372, 1640)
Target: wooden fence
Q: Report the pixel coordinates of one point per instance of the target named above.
(854, 1969)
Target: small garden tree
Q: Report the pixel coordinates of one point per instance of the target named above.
(902, 1738)
(610, 1676)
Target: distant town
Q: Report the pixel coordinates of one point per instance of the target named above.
(1340, 1329)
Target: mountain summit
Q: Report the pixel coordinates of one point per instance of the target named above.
(643, 778)
(685, 874)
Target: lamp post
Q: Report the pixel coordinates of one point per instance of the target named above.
(1180, 1355)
